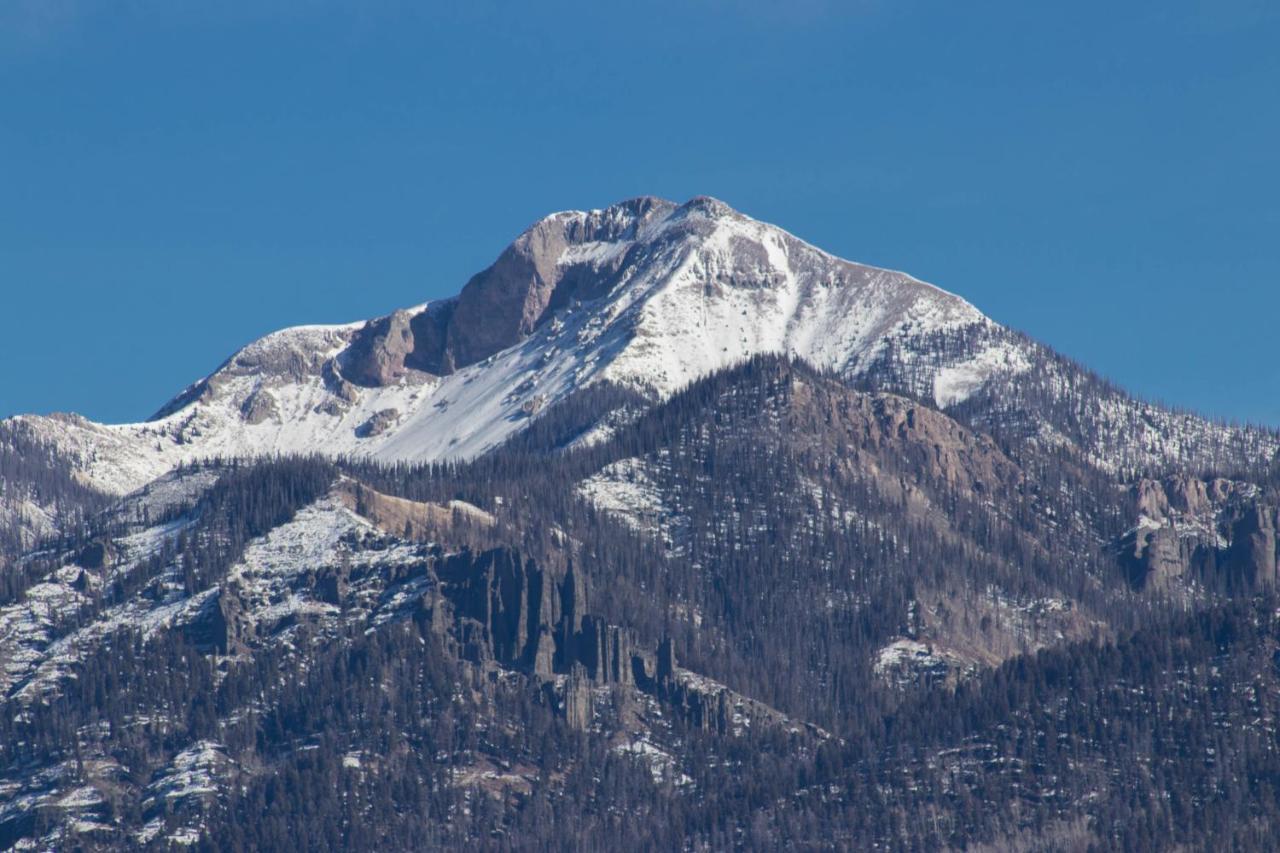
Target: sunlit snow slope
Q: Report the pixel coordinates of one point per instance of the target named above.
(646, 294)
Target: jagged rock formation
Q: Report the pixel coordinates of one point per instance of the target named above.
(379, 350)
(513, 602)
(505, 303)
(512, 613)
(1213, 531)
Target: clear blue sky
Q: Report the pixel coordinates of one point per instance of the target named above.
(176, 181)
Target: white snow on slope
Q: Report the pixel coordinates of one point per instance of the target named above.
(307, 418)
(264, 578)
(704, 288)
(956, 383)
(626, 488)
(747, 288)
(40, 647)
(31, 648)
(196, 775)
(32, 520)
(193, 772)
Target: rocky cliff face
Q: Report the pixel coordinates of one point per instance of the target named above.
(1215, 531)
(539, 273)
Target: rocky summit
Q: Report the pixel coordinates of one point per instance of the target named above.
(668, 531)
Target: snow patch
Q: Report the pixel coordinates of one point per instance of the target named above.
(956, 383)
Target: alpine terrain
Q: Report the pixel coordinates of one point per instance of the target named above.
(669, 531)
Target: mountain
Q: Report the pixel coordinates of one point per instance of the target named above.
(646, 295)
(669, 531)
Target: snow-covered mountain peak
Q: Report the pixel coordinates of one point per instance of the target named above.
(647, 293)
(704, 286)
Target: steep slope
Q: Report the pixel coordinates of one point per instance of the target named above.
(239, 589)
(901, 546)
(866, 535)
(40, 493)
(644, 294)
(643, 297)
(770, 610)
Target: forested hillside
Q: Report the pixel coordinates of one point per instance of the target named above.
(774, 610)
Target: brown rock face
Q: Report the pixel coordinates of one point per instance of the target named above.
(377, 356)
(519, 615)
(1253, 545)
(500, 306)
(544, 655)
(576, 702)
(1188, 494)
(1159, 559)
(506, 302)
(218, 625)
(605, 651)
(887, 435)
(259, 407)
(1150, 499)
(429, 329)
(506, 595)
(1197, 517)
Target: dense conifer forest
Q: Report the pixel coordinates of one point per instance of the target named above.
(825, 617)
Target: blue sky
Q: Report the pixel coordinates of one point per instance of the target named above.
(176, 180)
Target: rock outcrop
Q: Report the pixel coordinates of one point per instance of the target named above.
(493, 589)
(507, 301)
(218, 627)
(259, 407)
(501, 305)
(1218, 531)
(505, 610)
(377, 355)
(378, 423)
(1253, 546)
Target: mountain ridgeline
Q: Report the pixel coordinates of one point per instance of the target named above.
(670, 531)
